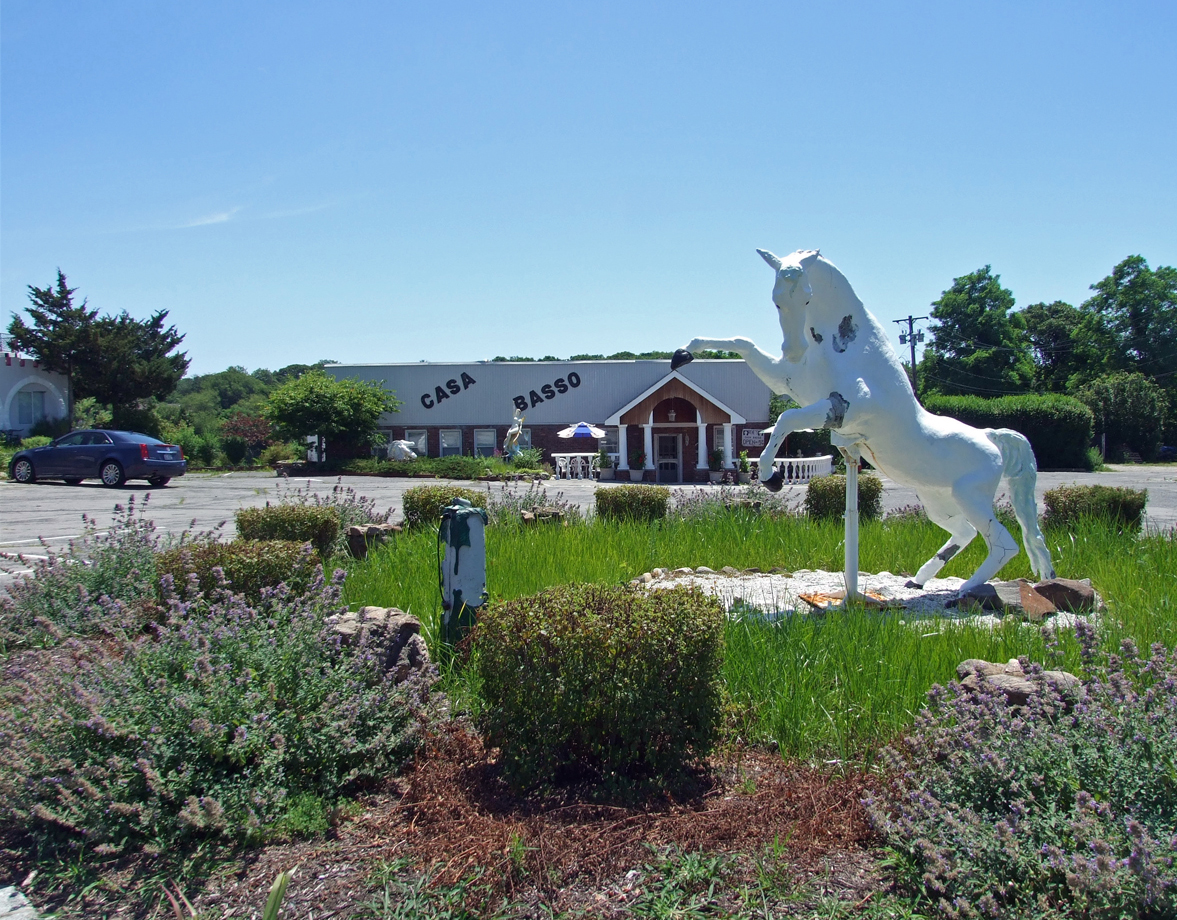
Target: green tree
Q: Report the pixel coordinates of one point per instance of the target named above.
(1070, 346)
(61, 334)
(979, 344)
(1129, 412)
(318, 405)
(1139, 306)
(132, 361)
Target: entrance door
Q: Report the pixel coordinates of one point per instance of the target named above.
(670, 458)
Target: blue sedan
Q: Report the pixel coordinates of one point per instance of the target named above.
(112, 456)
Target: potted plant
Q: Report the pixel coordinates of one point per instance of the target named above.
(715, 464)
(604, 465)
(637, 465)
(745, 468)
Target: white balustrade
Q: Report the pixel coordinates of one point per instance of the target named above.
(802, 469)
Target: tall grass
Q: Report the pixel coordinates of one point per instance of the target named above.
(823, 687)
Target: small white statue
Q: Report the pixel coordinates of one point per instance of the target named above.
(402, 450)
(838, 364)
(511, 446)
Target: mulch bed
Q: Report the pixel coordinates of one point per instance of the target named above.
(452, 814)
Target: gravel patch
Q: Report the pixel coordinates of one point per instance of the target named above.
(777, 595)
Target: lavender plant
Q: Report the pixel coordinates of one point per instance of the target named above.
(706, 504)
(506, 504)
(103, 581)
(350, 507)
(1066, 806)
(228, 717)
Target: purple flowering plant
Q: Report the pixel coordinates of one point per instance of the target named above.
(216, 725)
(103, 581)
(1064, 807)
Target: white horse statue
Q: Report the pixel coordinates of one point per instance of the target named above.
(402, 450)
(837, 363)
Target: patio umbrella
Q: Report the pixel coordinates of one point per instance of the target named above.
(581, 430)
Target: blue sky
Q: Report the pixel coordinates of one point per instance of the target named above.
(373, 182)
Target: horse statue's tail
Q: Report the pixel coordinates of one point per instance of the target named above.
(1022, 472)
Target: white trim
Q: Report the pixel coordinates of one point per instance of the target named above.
(615, 418)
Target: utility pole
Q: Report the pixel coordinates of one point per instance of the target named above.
(911, 337)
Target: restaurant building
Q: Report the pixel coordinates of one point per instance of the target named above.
(675, 418)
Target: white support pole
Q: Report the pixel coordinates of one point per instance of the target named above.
(702, 441)
(851, 455)
(727, 445)
(623, 447)
(648, 439)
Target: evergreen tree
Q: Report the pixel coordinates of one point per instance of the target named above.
(61, 336)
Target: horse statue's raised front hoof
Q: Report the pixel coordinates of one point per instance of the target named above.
(913, 584)
(775, 482)
(679, 358)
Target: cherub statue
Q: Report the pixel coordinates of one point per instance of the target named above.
(511, 446)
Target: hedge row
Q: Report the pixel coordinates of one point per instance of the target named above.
(317, 525)
(1059, 428)
(632, 503)
(1065, 505)
(423, 504)
(248, 566)
(825, 497)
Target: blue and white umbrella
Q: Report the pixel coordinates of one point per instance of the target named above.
(581, 430)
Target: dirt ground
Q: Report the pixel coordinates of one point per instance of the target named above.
(451, 817)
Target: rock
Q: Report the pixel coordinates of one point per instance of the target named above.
(752, 571)
(684, 571)
(658, 573)
(703, 570)
(780, 571)
(15, 906)
(1034, 605)
(361, 538)
(1017, 597)
(1011, 680)
(394, 635)
(979, 667)
(646, 577)
(729, 570)
(543, 515)
(1069, 594)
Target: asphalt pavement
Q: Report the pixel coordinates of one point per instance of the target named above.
(53, 511)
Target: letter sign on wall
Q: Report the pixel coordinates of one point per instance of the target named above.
(451, 388)
(546, 392)
(750, 437)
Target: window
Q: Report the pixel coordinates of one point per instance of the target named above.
(609, 442)
(484, 442)
(381, 449)
(30, 407)
(420, 439)
(525, 439)
(451, 442)
(719, 433)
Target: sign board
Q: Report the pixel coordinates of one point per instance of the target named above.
(750, 437)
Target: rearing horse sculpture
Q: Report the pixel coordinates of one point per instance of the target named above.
(837, 363)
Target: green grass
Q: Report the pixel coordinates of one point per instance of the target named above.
(832, 687)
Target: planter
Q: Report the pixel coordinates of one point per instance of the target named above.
(745, 478)
(715, 475)
(637, 475)
(605, 474)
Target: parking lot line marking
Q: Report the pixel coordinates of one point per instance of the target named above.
(69, 536)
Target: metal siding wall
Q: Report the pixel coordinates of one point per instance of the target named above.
(605, 387)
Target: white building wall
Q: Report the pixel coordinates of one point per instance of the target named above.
(21, 373)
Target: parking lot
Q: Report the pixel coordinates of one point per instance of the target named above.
(53, 511)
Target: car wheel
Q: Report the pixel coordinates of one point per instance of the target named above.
(73, 482)
(22, 471)
(112, 474)
(159, 481)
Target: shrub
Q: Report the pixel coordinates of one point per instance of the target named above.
(632, 503)
(825, 497)
(216, 728)
(64, 594)
(37, 440)
(604, 681)
(1129, 410)
(349, 506)
(505, 505)
(423, 504)
(247, 565)
(235, 449)
(1065, 505)
(318, 526)
(1066, 807)
(529, 458)
(1059, 428)
(280, 451)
